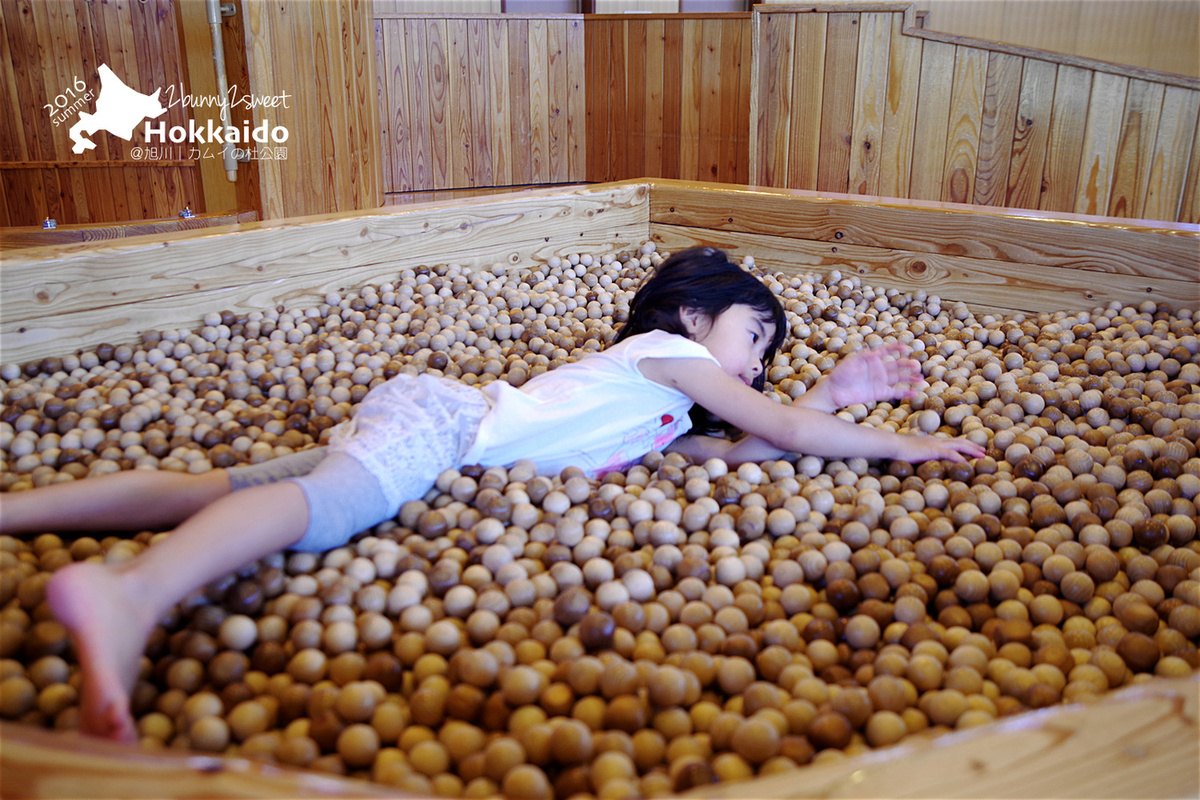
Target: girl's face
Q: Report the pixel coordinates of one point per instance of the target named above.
(738, 337)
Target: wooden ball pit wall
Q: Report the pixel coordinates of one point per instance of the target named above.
(1140, 741)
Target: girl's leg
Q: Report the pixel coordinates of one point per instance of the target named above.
(110, 609)
(135, 500)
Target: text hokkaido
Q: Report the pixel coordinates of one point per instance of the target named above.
(215, 134)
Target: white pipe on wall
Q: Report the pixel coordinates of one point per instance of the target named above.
(213, 7)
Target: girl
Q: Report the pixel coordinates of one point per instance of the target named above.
(700, 332)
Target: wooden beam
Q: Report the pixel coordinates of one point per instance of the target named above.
(57, 299)
(1098, 245)
(1141, 741)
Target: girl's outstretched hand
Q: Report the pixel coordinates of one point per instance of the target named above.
(918, 447)
(868, 376)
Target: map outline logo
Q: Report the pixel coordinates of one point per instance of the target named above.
(119, 111)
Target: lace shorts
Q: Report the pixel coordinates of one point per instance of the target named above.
(408, 430)
(403, 435)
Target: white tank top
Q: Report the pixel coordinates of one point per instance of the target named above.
(600, 413)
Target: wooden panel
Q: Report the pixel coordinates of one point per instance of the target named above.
(398, 169)
(615, 83)
(1101, 137)
(870, 94)
(504, 96)
(900, 111)
(637, 81)
(713, 86)
(966, 112)
(837, 102)
(518, 85)
(396, 7)
(803, 145)
(556, 97)
(1064, 150)
(86, 294)
(323, 56)
(420, 134)
(596, 49)
(1032, 134)
(1176, 130)
(652, 113)
(669, 95)
(576, 102)
(499, 122)
(1001, 93)
(672, 97)
(330, 115)
(293, 33)
(260, 45)
(365, 187)
(777, 32)
(1189, 208)
(952, 119)
(745, 91)
(933, 119)
(1135, 149)
(730, 162)
(459, 156)
(15, 141)
(481, 110)
(440, 121)
(689, 115)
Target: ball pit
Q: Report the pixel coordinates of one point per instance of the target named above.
(672, 625)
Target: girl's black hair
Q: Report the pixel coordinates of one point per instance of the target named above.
(704, 279)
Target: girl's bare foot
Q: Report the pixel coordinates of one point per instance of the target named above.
(109, 629)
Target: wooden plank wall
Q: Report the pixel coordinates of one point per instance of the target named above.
(320, 53)
(479, 100)
(323, 55)
(856, 98)
(51, 43)
(668, 96)
(511, 100)
(1157, 34)
(244, 195)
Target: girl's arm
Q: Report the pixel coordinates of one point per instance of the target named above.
(793, 429)
(732, 452)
